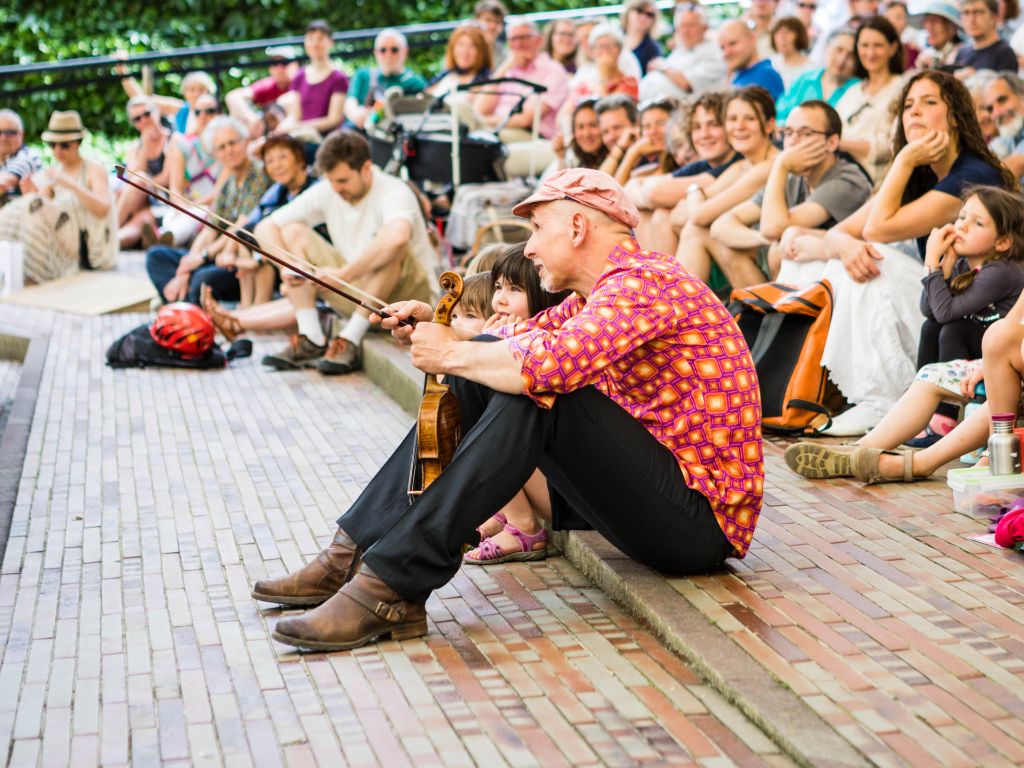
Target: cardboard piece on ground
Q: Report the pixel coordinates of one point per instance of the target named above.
(88, 293)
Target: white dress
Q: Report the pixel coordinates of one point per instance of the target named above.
(871, 349)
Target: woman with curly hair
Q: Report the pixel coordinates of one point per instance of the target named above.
(876, 254)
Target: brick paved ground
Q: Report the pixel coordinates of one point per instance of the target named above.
(874, 607)
(9, 373)
(150, 500)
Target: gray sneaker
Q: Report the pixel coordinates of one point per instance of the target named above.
(300, 353)
(342, 357)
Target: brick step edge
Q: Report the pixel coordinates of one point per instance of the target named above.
(782, 715)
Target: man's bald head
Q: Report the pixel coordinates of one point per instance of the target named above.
(690, 26)
(738, 44)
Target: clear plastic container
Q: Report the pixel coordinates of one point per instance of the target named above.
(979, 493)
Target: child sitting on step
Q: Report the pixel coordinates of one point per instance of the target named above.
(516, 531)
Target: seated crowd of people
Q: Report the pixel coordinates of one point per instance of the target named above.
(803, 141)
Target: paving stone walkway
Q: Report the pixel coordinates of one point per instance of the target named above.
(875, 607)
(150, 501)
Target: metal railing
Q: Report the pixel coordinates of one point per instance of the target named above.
(218, 57)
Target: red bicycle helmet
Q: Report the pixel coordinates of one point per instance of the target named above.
(183, 328)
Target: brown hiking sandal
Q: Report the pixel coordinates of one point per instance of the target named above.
(300, 353)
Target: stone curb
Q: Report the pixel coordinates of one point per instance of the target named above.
(14, 440)
(783, 716)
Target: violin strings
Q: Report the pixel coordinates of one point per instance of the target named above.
(285, 256)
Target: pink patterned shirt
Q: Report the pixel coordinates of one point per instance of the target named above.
(657, 341)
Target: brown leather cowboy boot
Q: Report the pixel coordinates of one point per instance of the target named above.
(365, 609)
(319, 580)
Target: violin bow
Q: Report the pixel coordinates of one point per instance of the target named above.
(282, 258)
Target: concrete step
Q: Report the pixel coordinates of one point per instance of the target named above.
(657, 602)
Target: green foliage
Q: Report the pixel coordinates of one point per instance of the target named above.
(31, 31)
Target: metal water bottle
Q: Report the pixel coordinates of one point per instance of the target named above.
(1003, 446)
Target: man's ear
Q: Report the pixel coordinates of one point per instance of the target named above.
(578, 227)
(832, 143)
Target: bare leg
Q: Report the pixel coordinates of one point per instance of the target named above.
(1001, 352)
(643, 229)
(908, 417)
(969, 434)
(129, 202)
(661, 238)
(131, 233)
(246, 287)
(264, 283)
(694, 251)
(524, 512)
(739, 266)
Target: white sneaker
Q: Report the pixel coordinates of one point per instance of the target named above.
(855, 422)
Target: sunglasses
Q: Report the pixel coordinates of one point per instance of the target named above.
(644, 12)
(808, 6)
(59, 144)
(392, 49)
(9, 132)
(278, 63)
(206, 111)
(136, 119)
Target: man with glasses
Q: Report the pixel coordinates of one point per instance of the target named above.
(135, 221)
(695, 64)
(526, 61)
(369, 86)
(17, 161)
(245, 103)
(980, 19)
(506, 110)
(810, 187)
(179, 275)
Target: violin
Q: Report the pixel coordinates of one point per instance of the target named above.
(439, 423)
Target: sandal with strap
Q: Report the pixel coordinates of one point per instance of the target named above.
(229, 326)
(489, 553)
(820, 461)
(864, 462)
(499, 516)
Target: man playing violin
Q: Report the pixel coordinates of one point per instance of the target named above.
(636, 397)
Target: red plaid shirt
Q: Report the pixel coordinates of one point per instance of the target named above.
(657, 341)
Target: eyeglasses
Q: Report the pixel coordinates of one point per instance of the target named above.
(521, 38)
(59, 144)
(803, 133)
(9, 132)
(206, 111)
(391, 49)
(808, 6)
(278, 63)
(227, 145)
(136, 119)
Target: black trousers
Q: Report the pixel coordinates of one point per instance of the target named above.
(956, 340)
(598, 460)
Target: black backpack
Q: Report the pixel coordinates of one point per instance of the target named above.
(137, 349)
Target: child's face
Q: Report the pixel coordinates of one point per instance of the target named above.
(509, 299)
(464, 317)
(975, 230)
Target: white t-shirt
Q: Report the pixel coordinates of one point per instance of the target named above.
(352, 227)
